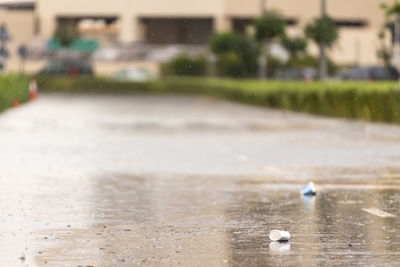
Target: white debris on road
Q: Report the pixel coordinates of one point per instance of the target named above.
(277, 235)
(378, 212)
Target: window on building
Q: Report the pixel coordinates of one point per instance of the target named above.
(12, 5)
(351, 23)
(242, 24)
(102, 29)
(177, 30)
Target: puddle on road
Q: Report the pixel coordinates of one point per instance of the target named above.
(57, 212)
(122, 220)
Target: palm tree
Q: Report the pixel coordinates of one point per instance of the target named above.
(322, 31)
(268, 27)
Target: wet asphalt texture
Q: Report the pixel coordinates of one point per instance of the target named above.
(128, 180)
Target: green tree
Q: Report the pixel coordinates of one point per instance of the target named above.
(236, 49)
(294, 45)
(66, 33)
(324, 32)
(184, 65)
(384, 51)
(268, 27)
(390, 10)
(230, 64)
(4, 38)
(392, 24)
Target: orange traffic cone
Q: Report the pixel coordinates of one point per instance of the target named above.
(33, 90)
(16, 103)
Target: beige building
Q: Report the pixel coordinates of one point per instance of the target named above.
(192, 21)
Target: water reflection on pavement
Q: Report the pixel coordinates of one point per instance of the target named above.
(148, 180)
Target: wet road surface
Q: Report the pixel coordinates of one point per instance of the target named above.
(116, 180)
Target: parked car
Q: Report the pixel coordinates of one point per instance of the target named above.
(67, 67)
(302, 74)
(370, 73)
(134, 74)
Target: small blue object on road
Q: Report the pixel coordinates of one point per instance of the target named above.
(309, 189)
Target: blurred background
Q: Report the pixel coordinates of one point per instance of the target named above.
(166, 132)
(141, 39)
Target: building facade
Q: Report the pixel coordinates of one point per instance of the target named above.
(193, 21)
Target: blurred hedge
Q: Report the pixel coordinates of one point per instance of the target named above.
(13, 88)
(88, 84)
(372, 101)
(185, 65)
